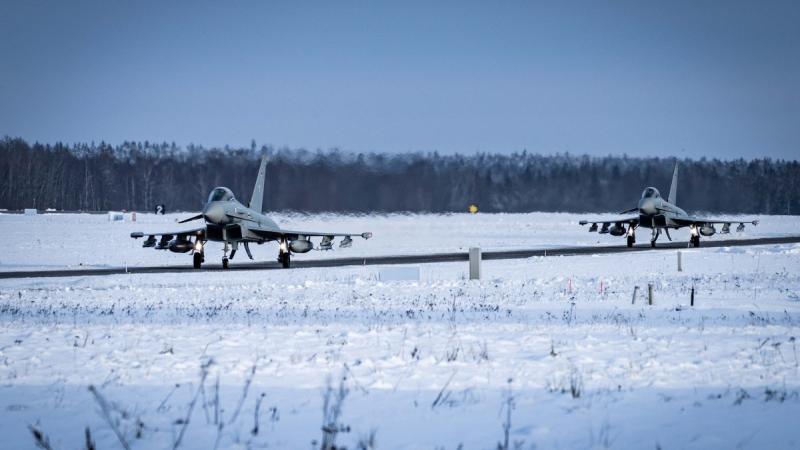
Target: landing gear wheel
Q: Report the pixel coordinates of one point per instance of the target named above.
(285, 259)
(631, 240)
(198, 260)
(653, 244)
(224, 263)
(695, 241)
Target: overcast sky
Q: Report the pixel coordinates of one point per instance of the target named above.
(695, 78)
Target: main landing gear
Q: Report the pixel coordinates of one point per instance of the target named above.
(198, 256)
(284, 256)
(198, 259)
(694, 239)
(631, 236)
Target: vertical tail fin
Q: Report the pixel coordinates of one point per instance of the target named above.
(673, 188)
(257, 200)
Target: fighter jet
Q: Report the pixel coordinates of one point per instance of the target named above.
(232, 223)
(658, 214)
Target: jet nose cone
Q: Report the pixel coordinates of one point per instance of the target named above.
(215, 213)
(647, 208)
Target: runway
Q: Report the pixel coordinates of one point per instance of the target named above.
(398, 259)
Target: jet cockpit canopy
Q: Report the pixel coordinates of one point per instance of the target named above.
(220, 194)
(651, 192)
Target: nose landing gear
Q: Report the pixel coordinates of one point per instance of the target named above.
(654, 237)
(225, 255)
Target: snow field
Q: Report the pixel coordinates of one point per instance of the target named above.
(426, 364)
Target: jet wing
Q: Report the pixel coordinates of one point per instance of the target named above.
(192, 232)
(630, 220)
(325, 244)
(694, 220)
(182, 243)
(293, 234)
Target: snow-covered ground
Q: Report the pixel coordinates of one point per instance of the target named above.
(202, 358)
(57, 241)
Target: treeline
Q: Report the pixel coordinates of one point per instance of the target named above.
(135, 176)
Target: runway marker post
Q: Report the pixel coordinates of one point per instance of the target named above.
(475, 263)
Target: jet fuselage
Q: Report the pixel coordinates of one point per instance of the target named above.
(228, 220)
(655, 211)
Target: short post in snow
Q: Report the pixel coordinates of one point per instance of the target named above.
(680, 266)
(692, 297)
(633, 299)
(649, 293)
(475, 263)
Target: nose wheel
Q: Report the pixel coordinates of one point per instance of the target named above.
(225, 255)
(198, 259)
(695, 241)
(654, 237)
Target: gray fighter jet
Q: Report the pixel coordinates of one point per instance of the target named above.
(658, 214)
(232, 223)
